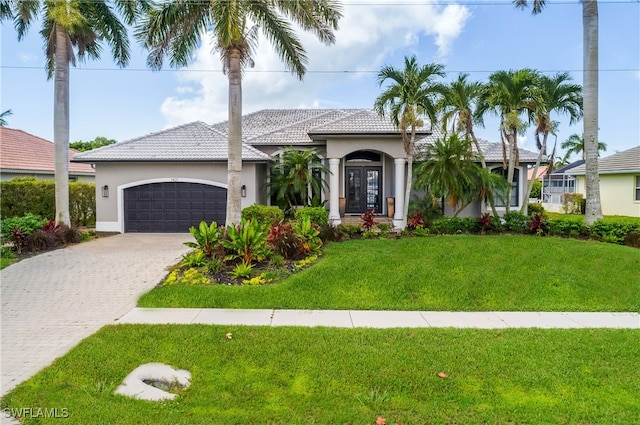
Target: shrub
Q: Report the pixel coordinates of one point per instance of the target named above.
(368, 219)
(536, 190)
(317, 215)
(214, 265)
(348, 230)
(415, 220)
(28, 223)
(310, 236)
(196, 258)
(247, 241)
(263, 214)
(284, 241)
(40, 240)
(188, 277)
(276, 261)
(537, 224)
(262, 279)
(610, 232)
(514, 221)
(572, 203)
(632, 239)
(567, 228)
(535, 208)
(331, 233)
(453, 225)
(28, 195)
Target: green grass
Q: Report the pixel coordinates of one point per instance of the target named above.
(349, 376)
(620, 219)
(469, 273)
(5, 262)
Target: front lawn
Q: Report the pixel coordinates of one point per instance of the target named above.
(465, 272)
(348, 376)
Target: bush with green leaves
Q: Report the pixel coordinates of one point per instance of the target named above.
(567, 228)
(242, 271)
(453, 225)
(263, 214)
(317, 215)
(206, 236)
(515, 222)
(195, 258)
(29, 195)
(28, 223)
(611, 232)
(246, 241)
(284, 241)
(535, 208)
(191, 276)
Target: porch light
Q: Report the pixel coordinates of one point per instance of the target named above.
(243, 191)
(105, 191)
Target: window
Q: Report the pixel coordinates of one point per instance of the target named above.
(499, 197)
(637, 198)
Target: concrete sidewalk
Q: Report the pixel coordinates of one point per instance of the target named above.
(382, 319)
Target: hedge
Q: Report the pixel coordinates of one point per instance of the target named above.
(21, 196)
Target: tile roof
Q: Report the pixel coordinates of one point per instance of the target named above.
(627, 161)
(362, 121)
(195, 141)
(492, 151)
(20, 150)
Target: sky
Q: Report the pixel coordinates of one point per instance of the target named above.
(477, 37)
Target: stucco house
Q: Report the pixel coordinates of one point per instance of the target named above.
(25, 155)
(556, 184)
(169, 180)
(619, 182)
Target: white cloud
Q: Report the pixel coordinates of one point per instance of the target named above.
(369, 36)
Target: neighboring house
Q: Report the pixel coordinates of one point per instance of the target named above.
(172, 179)
(25, 155)
(556, 184)
(619, 182)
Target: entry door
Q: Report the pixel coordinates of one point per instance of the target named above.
(363, 189)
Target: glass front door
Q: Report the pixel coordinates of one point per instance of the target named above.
(363, 189)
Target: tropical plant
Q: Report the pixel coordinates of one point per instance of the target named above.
(575, 145)
(175, 29)
(448, 169)
(457, 105)
(411, 95)
(242, 271)
(509, 95)
(554, 95)
(415, 220)
(284, 241)
(196, 258)
(590, 81)
(3, 116)
(206, 236)
(298, 177)
(247, 241)
(70, 29)
(309, 235)
(368, 219)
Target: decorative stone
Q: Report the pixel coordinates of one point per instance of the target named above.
(153, 381)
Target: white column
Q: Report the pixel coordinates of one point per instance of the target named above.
(334, 191)
(398, 219)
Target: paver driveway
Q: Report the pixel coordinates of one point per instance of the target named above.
(52, 301)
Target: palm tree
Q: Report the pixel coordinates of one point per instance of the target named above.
(555, 95)
(70, 29)
(593, 209)
(510, 95)
(298, 177)
(450, 170)
(411, 95)
(575, 145)
(457, 105)
(3, 121)
(175, 29)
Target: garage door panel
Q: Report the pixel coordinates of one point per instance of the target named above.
(173, 207)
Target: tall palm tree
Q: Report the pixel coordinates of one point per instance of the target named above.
(298, 177)
(575, 144)
(510, 95)
(593, 209)
(411, 95)
(175, 29)
(554, 95)
(3, 121)
(457, 105)
(71, 29)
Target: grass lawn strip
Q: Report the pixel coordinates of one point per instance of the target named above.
(337, 376)
(459, 273)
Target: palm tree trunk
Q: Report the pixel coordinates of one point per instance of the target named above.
(492, 202)
(407, 191)
(534, 176)
(593, 210)
(511, 140)
(234, 165)
(61, 126)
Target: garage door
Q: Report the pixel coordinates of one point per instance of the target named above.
(172, 207)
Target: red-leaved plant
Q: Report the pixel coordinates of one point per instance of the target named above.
(485, 222)
(284, 241)
(415, 220)
(368, 219)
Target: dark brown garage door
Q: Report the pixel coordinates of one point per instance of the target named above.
(172, 207)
